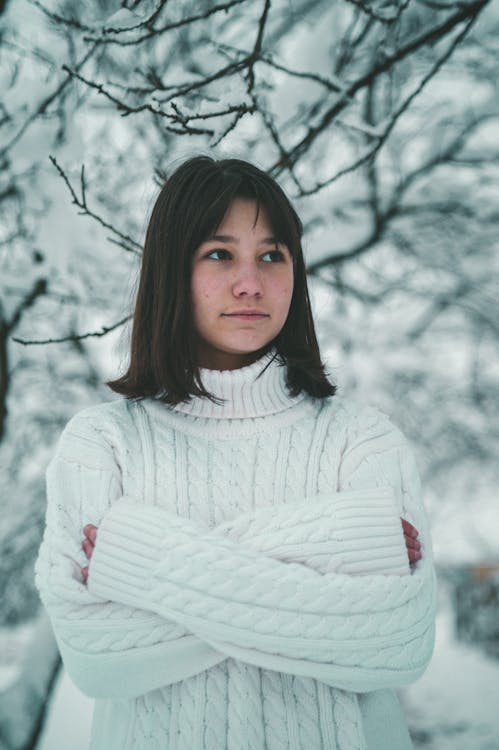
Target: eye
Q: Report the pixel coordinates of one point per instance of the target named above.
(278, 255)
(218, 250)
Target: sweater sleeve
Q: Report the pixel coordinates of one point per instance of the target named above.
(378, 455)
(109, 649)
(357, 633)
(114, 650)
(355, 531)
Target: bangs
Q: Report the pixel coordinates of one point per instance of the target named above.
(217, 193)
(279, 217)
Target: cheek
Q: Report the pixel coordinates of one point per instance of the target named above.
(203, 290)
(284, 290)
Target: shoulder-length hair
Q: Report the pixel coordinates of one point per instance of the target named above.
(187, 211)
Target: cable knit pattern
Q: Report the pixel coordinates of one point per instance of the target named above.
(250, 586)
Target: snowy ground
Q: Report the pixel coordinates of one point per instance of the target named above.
(69, 720)
(454, 706)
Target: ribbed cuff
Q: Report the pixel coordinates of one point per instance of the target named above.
(350, 532)
(128, 546)
(370, 535)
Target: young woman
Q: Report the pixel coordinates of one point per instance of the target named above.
(235, 556)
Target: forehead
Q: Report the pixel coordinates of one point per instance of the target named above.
(245, 214)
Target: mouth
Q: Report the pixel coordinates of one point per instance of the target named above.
(247, 316)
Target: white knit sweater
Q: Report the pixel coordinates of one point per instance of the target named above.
(250, 585)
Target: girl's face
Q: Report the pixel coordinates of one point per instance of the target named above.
(240, 269)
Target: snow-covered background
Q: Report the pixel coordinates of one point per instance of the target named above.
(380, 119)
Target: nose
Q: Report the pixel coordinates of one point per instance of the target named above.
(247, 281)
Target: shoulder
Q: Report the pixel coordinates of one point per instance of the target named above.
(98, 432)
(371, 435)
(357, 419)
(361, 429)
(99, 415)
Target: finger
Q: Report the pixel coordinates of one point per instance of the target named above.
(412, 543)
(88, 548)
(414, 556)
(84, 572)
(90, 532)
(409, 529)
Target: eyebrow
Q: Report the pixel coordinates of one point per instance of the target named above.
(234, 240)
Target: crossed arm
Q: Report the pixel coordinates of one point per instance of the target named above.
(411, 540)
(160, 647)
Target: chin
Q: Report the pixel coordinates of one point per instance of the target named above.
(246, 349)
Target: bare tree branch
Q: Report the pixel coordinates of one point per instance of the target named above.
(387, 16)
(471, 10)
(81, 203)
(39, 287)
(6, 327)
(42, 107)
(161, 29)
(246, 65)
(74, 337)
(274, 134)
(180, 90)
(443, 156)
(381, 139)
(329, 84)
(255, 55)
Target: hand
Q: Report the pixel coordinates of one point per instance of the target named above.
(411, 541)
(88, 545)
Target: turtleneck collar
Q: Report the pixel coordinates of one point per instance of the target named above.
(245, 394)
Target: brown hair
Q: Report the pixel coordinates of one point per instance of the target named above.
(189, 208)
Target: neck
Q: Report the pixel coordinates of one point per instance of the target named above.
(254, 390)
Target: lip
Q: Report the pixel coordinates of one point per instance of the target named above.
(250, 316)
(247, 313)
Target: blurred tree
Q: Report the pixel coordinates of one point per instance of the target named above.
(379, 118)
